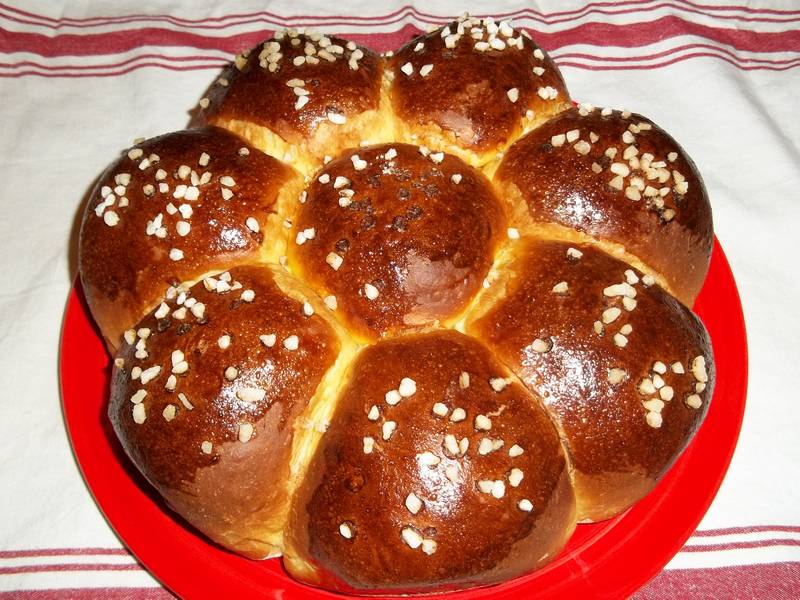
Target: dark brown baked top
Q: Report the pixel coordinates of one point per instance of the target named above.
(437, 467)
(477, 79)
(617, 177)
(207, 398)
(399, 235)
(266, 85)
(170, 209)
(225, 363)
(616, 359)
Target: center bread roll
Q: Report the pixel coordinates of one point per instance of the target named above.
(399, 235)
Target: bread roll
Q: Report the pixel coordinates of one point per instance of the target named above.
(623, 368)
(438, 471)
(300, 97)
(472, 86)
(400, 236)
(212, 391)
(173, 208)
(620, 180)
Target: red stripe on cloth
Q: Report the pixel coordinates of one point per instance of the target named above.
(739, 545)
(263, 19)
(164, 57)
(45, 74)
(91, 594)
(748, 529)
(643, 57)
(594, 67)
(633, 35)
(70, 567)
(270, 20)
(61, 552)
(407, 10)
(117, 42)
(598, 34)
(217, 65)
(756, 582)
(101, 20)
(124, 41)
(576, 58)
(668, 5)
(741, 7)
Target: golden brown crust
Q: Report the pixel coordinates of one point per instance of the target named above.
(352, 507)
(124, 255)
(466, 92)
(191, 445)
(429, 460)
(420, 229)
(572, 185)
(339, 79)
(615, 449)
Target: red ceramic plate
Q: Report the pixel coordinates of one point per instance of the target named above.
(605, 560)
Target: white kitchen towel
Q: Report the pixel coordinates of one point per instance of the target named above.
(80, 80)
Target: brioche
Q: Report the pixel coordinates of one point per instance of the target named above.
(471, 87)
(175, 207)
(619, 180)
(302, 97)
(616, 360)
(403, 319)
(217, 392)
(471, 474)
(415, 231)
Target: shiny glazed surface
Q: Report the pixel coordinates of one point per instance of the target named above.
(126, 267)
(249, 91)
(466, 92)
(458, 232)
(400, 224)
(208, 404)
(617, 455)
(561, 185)
(478, 535)
(614, 557)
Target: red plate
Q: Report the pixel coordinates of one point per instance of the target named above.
(610, 559)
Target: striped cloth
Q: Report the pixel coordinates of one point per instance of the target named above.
(78, 82)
